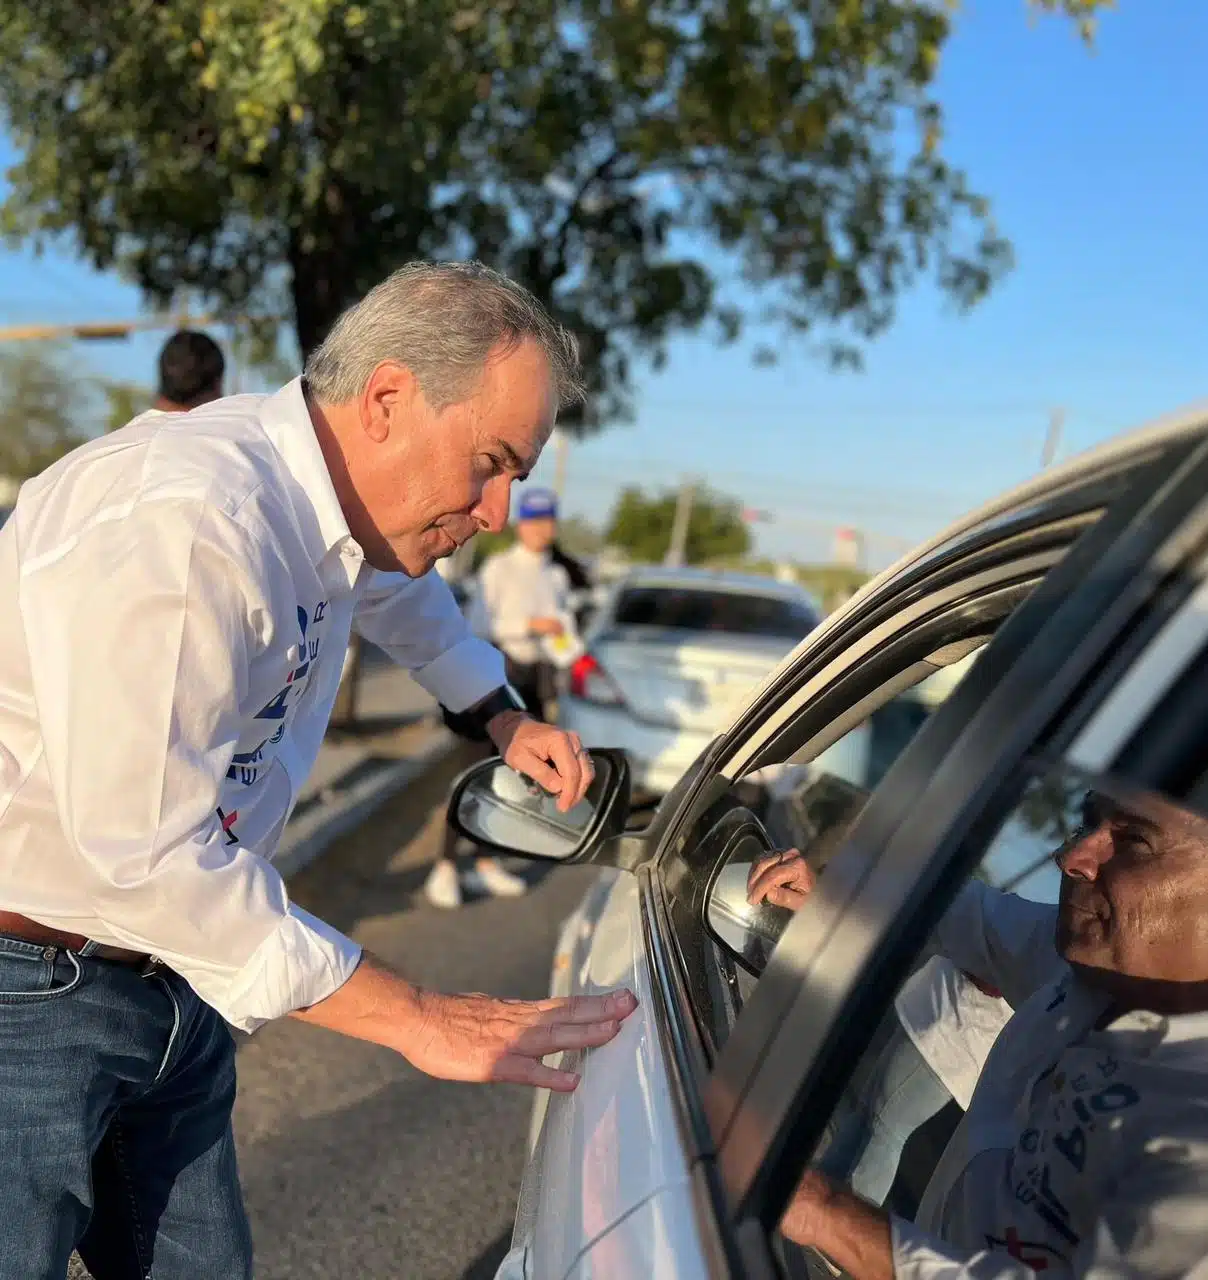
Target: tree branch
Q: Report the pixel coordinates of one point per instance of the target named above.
(562, 235)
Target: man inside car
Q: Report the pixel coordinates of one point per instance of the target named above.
(1085, 1146)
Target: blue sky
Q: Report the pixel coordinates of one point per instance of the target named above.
(1097, 165)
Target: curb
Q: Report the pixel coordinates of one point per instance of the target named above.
(308, 836)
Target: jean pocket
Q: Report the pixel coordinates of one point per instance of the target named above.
(34, 974)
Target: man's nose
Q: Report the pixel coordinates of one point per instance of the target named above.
(491, 510)
(1084, 858)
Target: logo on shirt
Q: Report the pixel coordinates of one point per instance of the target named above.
(228, 824)
(1031, 1253)
(245, 765)
(304, 654)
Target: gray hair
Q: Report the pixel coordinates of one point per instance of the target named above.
(440, 320)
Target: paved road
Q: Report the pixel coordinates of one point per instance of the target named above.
(353, 1163)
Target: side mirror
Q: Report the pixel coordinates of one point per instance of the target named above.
(750, 933)
(504, 813)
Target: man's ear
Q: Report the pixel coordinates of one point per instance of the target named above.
(389, 387)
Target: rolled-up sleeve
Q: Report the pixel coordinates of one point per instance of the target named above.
(417, 622)
(140, 631)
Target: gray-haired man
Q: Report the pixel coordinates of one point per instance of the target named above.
(183, 591)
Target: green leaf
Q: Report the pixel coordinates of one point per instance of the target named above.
(621, 158)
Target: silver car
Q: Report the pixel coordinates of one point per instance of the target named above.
(1070, 619)
(671, 656)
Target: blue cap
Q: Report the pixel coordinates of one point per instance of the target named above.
(538, 504)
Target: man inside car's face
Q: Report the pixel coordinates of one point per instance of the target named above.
(1134, 895)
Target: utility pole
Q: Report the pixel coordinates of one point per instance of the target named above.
(679, 527)
(1052, 439)
(561, 458)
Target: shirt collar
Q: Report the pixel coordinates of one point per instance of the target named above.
(287, 423)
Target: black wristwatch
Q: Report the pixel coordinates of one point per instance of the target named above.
(473, 722)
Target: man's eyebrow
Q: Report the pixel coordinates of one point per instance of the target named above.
(514, 461)
(1121, 817)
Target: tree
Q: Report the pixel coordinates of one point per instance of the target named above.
(622, 158)
(45, 408)
(641, 526)
(124, 402)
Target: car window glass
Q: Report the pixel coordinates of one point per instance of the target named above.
(728, 612)
(1060, 1078)
(811, 808)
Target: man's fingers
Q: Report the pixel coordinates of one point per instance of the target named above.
(475, 1037)
(532, 765)
(532, 1071)
(587, 770)
(770, 878)
(760, 865)
(784, 896)
(570, 771)
(557, 1037)
(617, 1004)
(795, 875)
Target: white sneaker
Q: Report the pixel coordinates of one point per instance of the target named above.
(443, 886)
(490, 876)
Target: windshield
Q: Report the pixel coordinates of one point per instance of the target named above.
(732, 612)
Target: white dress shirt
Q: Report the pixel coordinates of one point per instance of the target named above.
(180, 599)
(1084, 1151)
(951, 1023)
(516, 586)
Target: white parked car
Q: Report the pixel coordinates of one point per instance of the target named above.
(1076, 606)
(671, 655)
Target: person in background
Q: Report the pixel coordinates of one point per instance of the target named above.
(522, 606)
(191, 369)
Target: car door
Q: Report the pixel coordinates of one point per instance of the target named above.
(1081, 677)
(678, 1092)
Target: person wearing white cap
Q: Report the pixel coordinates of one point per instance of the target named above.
(523, 607)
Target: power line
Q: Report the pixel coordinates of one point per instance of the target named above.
(118, 330)
(895, 409)
(840, 500)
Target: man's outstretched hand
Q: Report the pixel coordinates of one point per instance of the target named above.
(469, 1037)
(553, 758)
(481, 1039)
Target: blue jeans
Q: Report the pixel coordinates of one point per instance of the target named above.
(868, 1136)
(116, 1089)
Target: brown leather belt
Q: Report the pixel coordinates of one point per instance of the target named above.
(42, 935)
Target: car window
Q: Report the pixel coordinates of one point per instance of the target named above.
(812, 807)
(1065, 1082)
(698, 609)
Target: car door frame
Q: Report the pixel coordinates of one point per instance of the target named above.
(780, 1072)
(723, 1210)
